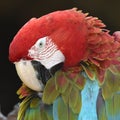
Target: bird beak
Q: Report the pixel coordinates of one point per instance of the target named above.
(34, 75)
(28, 75)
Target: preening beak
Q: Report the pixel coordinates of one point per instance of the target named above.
(28, 75)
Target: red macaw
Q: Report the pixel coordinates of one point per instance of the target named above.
(70, 68)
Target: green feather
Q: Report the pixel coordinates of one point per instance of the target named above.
(111, 85)
(61, 107)
(65, 84)
(75, 100)
(101, 110)
(64, 88)
(66, 94)
(61, 82)
(50, 92)
(109, 109)
(32, 108)
(115, 69)
(90, 71)
(33, 111)
(113, 107)
(23, 106)
(102, 113)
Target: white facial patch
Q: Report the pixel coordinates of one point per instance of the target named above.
(46, 52)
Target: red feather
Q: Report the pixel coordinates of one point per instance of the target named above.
(67, 29)
(79, 37)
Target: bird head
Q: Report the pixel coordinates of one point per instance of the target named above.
(46, 44)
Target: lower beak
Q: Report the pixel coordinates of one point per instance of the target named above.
(28, 75)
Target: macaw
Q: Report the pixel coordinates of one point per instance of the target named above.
(70, 68)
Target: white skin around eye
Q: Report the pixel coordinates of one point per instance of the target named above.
(36, 49)
(46, 52)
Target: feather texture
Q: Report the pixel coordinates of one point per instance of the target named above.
(32, 108)
(89, 98)
(59, 107)
(88, 85)
(74, 99)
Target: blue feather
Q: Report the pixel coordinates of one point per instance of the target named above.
(89, 98)
(55, 110)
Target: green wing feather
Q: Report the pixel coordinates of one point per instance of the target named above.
(59, 107)
(111, 85)
(62, 95)
(109, 108)
(67, 85)
(32, 108)
(23, 106)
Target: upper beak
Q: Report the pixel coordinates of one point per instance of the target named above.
(28, 75)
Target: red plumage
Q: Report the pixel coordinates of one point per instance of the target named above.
(80, 38)
(66, 28)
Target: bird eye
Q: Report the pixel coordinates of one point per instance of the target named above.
(40, 44)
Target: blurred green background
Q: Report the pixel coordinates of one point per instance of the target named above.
(15, 13)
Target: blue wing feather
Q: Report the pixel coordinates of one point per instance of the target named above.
(89, 99)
